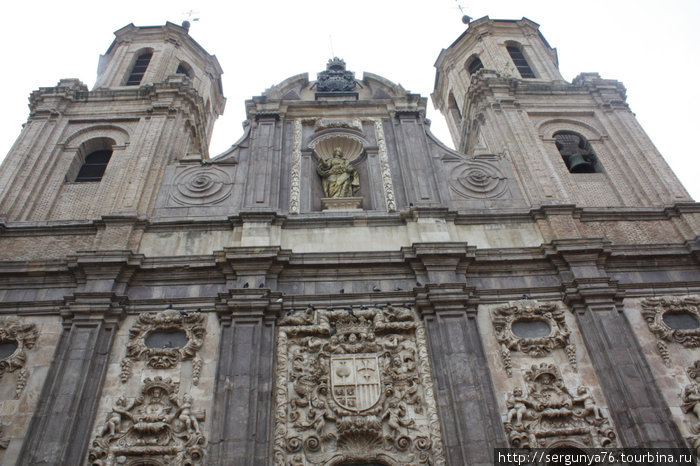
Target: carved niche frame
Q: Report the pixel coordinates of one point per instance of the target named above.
(192, 324)
(653, 311)
(24, 336)
(504, 317)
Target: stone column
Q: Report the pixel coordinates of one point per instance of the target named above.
(242, 420)
(637, 407)
(469, 415)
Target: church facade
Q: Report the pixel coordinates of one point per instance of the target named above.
(340, 287)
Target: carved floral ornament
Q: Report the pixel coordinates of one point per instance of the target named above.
(155, 428)
(658, 311)
(21, 336)
(548, 315)
(354, 385)
(169, 321)
(547, 414)
(690, 398)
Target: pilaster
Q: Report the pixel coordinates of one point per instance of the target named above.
(463, 386)
(241, 423)
(60, 429)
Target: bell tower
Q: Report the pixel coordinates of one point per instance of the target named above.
(500, 89)
(86, 153)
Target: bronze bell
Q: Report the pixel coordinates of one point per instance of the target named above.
(578, 164)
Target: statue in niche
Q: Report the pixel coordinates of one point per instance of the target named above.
(339, 177)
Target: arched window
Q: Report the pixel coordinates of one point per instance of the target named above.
(474, 65)
(184, 68)
(577, 153)
(516, 54)
(139, 69)
(95, 155)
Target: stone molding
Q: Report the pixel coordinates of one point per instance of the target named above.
(157, 427)
(654, 309)
(169, 320)
(352, 383)
(504, 317)
(546, 414)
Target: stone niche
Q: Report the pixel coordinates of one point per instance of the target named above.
(354, 385)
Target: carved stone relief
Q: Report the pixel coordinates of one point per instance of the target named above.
(546, 413)
(656, 310)
(387, 182)
(192, 324)
(201, 185)
(354, 385)
(504, 317)
(21, 336)
(691, 405)
(295, 181)
(156, 428)
(478, 179)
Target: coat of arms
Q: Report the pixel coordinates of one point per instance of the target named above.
(355, 381)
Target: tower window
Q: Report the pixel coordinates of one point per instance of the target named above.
(519, 61)
(474, 66)
(94, 166)
(184, 68)
(577, 153)
(139, 69)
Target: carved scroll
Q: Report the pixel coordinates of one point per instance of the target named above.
(504, 317)
(169, 320)
(548, 414)
(654, 309)
(157, 427)
(354, 385)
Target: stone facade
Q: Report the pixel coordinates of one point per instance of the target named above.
(191, 309)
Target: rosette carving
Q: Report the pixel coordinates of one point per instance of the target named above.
(657, 310)
(548, 315)
(168, 354)
(201, 186)
(478, 179)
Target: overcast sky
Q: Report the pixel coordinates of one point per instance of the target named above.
(652, 47)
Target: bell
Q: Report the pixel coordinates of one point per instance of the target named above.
(578, 164)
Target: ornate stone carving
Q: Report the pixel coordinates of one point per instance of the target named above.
(504, 317)
(336, 78)
(387, 182)
(478, 179)
(354, 385)
(654, 310)
(294, 185)
(154, 428)
(548, 413)
(326, 123)
(691, 404)
(167, 321)
(24, 336)
(201, 185)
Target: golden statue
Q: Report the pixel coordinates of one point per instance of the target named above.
(339, 178)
